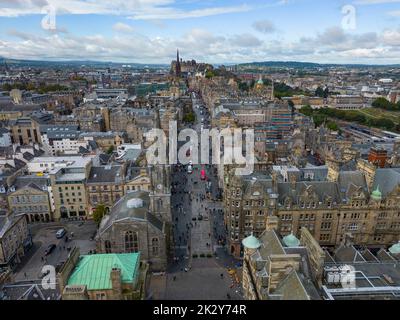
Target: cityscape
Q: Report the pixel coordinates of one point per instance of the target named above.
(178, 157)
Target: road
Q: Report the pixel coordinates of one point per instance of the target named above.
(200, 267)
(44, 235)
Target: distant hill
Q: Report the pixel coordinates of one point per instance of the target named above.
(310, 65)
(76, 63)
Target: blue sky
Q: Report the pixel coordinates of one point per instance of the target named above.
(216, 31)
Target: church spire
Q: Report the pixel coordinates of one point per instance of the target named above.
(178, 64)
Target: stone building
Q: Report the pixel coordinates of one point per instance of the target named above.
(279, 269)
(132, 226)
(31, 198)
(25, 131)
(104, 277)
(137, 179)
(105, 185)
(247, 203)
(15, 240)
(330, 210)
(69, 190)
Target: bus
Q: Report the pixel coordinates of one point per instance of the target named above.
(203, 174)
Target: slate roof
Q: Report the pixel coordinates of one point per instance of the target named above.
(291, 288)
(121, 212)
(321, 188)
(351, 181)
(387, 179)
(105, 174)
(297, 285)
(31, 180)
(28, 290)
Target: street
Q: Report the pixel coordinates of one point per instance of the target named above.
(45, 234)
(200, 266)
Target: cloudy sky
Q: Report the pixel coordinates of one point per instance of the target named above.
(215, 31)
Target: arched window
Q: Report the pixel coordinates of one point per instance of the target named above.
(154, 246)
(107, 245)
(131, 242)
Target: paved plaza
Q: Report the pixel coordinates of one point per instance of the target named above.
(44, 235)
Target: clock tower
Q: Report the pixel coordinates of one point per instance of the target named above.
(160, 194)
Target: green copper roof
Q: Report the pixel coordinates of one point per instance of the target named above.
(291, 241)
(260, 81)
(376, 194)
(251, 242)
(94, 270)
(395, 249)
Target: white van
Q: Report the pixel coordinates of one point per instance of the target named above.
(60, 233)
(189, 169)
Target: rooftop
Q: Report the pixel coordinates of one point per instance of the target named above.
(94, 270)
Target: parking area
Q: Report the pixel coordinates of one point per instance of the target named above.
(78, 234)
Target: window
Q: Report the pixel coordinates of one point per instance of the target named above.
(353, 227)
(382, 215)
(107, 245)
(381, 225)
(324, 237)
(101, 296)
(131, 242)
(326, 225)
(155, 246)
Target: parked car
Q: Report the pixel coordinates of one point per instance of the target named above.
(50, 249)
(61, 233)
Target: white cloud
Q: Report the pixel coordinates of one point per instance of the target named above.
(331, 45)
(391, 37)
(264, 26)
(394, 13)
(367, 2)
(245, 40)
(136, 9)
(122, 27)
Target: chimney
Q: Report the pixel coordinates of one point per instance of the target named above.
(293, 180)
(272, 223)
(275, 182)
(116, 283)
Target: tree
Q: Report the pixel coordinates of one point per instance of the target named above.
(110, 150)
(319, 119)
(189, 117)
(333, 126)
(383, 103)
(326, 93)
(210, 74)
(99, 213)
(319, 92)
(306, 110)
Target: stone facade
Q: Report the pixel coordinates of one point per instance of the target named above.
(135, 229)
(328, 209)
(31, 201)
(15, 240)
